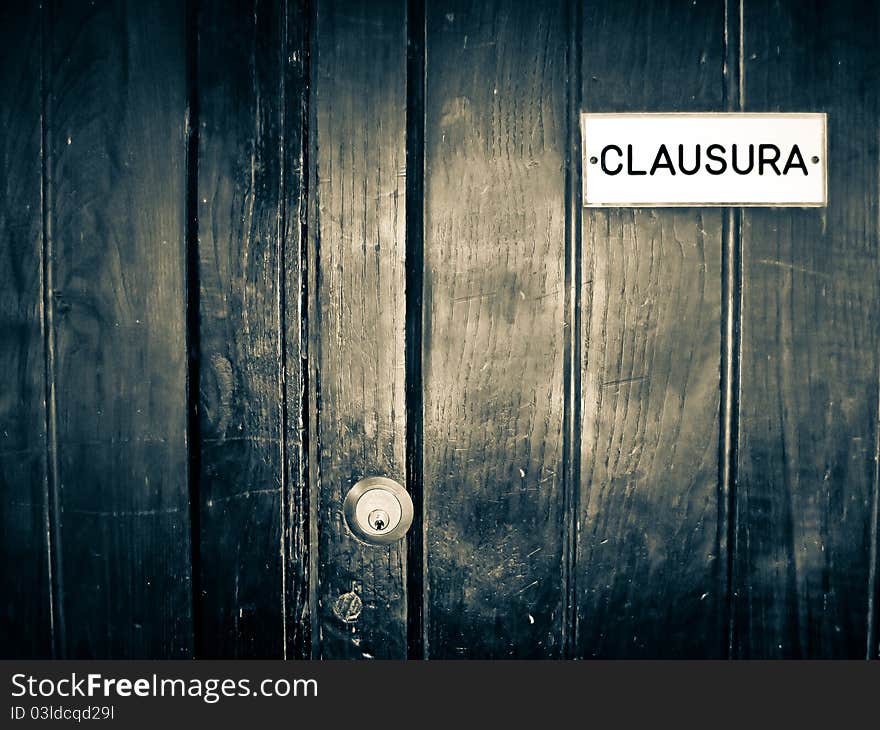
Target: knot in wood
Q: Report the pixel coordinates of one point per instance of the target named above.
(348, 607)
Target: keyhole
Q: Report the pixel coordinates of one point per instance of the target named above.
(378, 519)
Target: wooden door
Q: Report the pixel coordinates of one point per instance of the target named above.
(252, 251)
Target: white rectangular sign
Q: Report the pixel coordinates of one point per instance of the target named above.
(738, 159)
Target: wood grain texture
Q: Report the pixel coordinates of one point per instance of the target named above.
(25, 622)
(116, 112)
(243, 198)
(494, 329)
(649, 573)
(299, 541)
(358, 61)
(811, 293)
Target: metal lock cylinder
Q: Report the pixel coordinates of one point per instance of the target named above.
(378, 510)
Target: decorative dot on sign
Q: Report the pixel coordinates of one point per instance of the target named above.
(815, 159)
(594, 160)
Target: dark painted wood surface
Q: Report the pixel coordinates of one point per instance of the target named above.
(296, 519)
(807, 492)
(249, 87)
(575, 474)
(25, 611)
(358, 76)
(115, 185)
(494, 328)
(649, 580)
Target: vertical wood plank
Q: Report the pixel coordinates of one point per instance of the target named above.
(358, 63)
(494, 330)
(650, 579)
(25, 623)
(116, 184)
(299, 541)
(810, 355)
(247, 114)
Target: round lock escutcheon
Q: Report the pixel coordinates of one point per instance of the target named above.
(378, 510)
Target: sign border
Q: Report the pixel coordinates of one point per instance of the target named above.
(740, 115)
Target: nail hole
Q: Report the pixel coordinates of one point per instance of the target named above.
(815, 159)
(594, 160)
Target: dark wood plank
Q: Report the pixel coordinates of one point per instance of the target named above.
(494, 329)
(25, 622)
(649, 573)
(299, 541)
(116, 185)
(243, 66)
(811, 347)
(358, 61)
